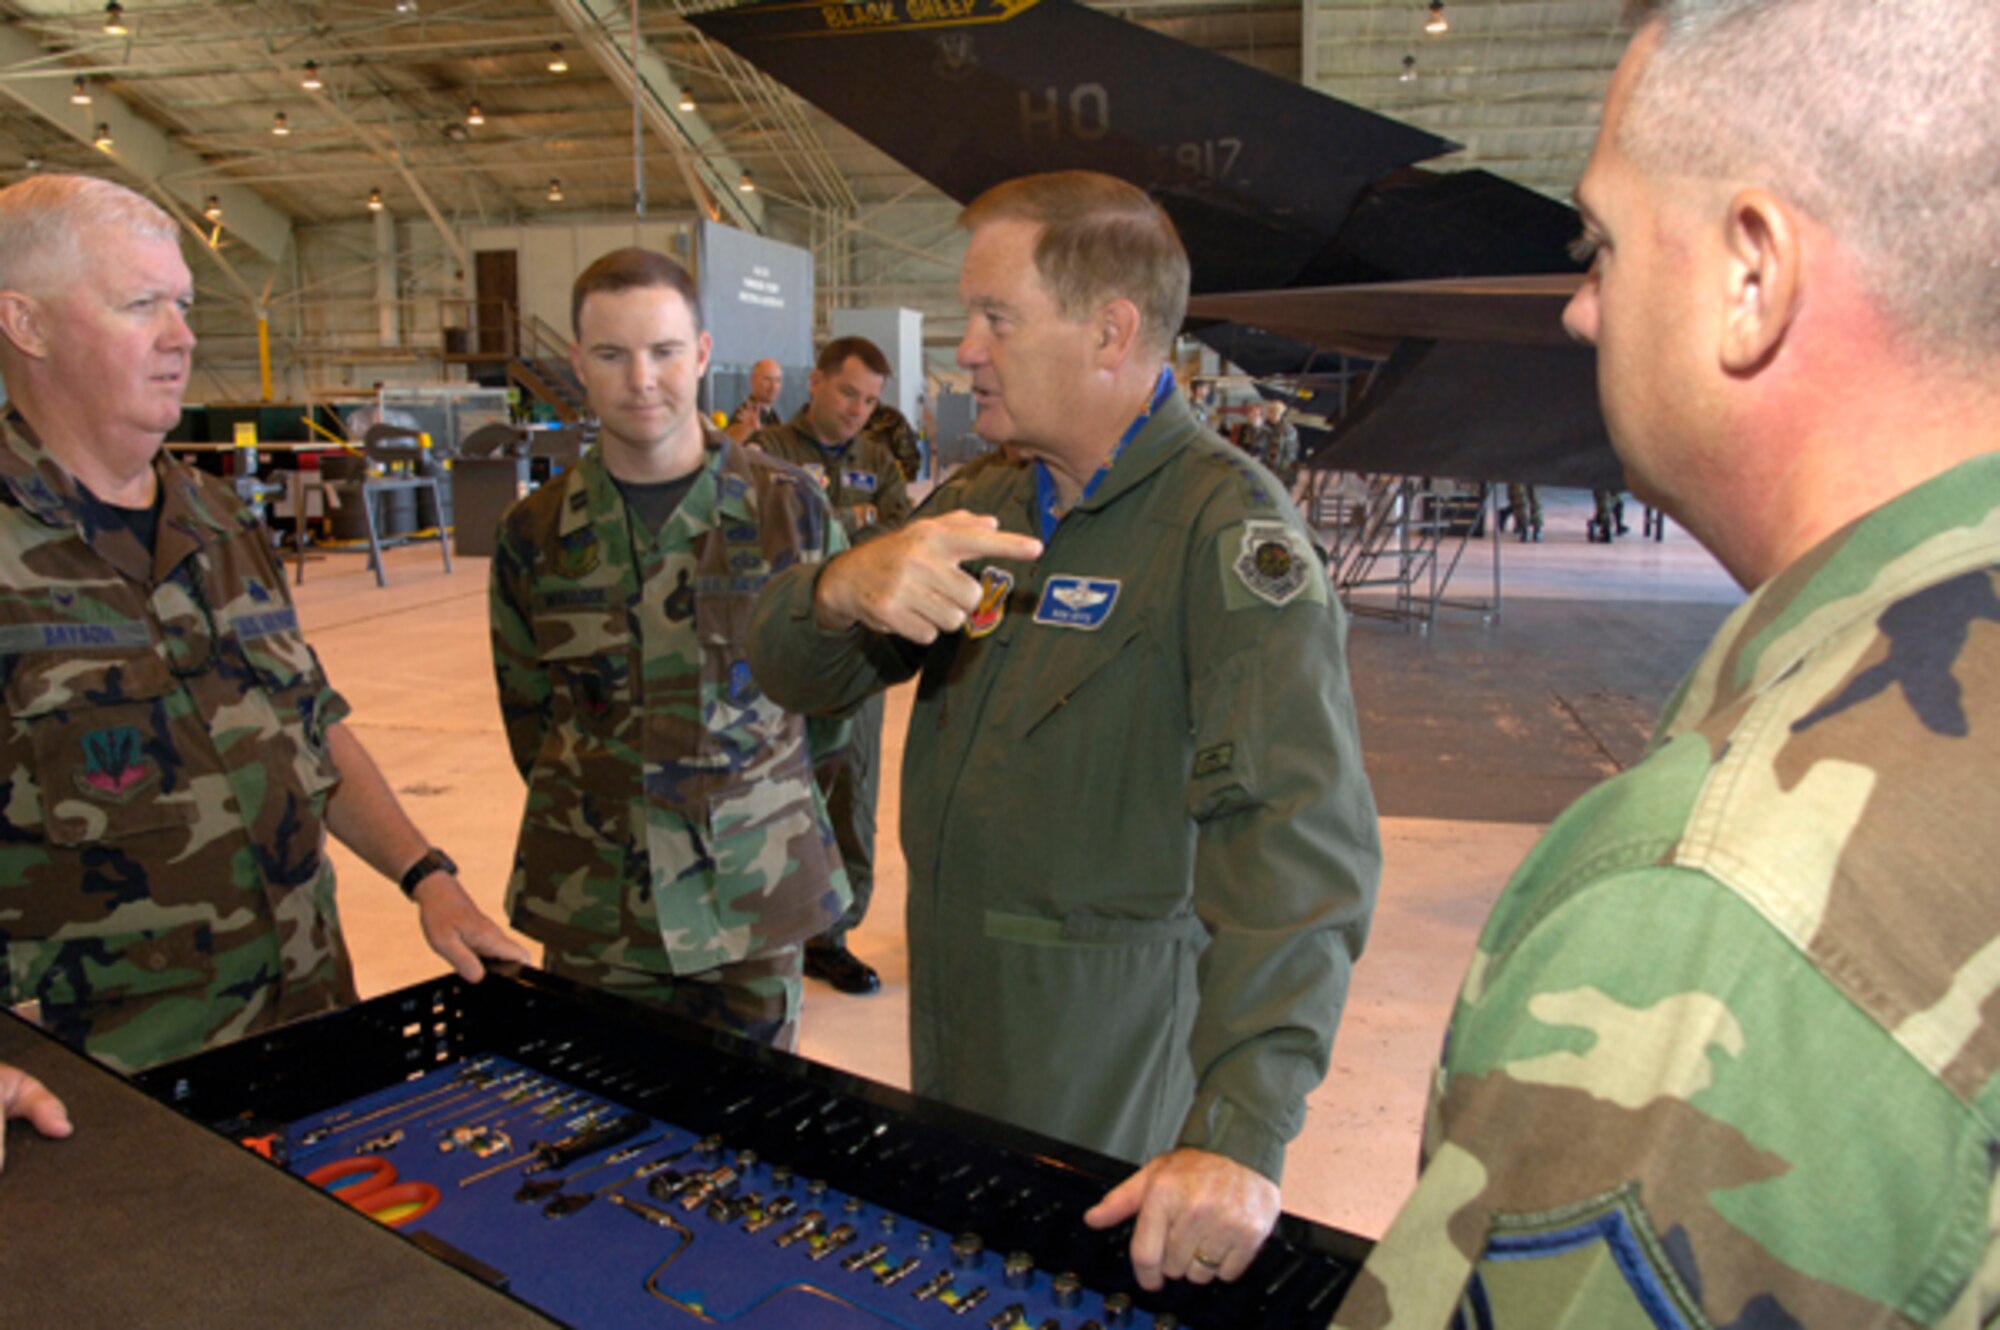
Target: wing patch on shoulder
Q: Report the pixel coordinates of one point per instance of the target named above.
(1270, 563)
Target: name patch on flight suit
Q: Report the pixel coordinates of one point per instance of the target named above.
(994, 585)
(1077, 602)
(864, 481)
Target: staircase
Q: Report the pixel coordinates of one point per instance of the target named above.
(516, 349)
(550, 380)
(1408, 542)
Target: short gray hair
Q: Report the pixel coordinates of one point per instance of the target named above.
(1102, 239)
(1881, 120)
(43, 218)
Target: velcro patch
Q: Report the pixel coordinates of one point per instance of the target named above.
(576, 553)
(1272, 564)
(265, 623)
(1077, 602)
(994, 585)
(115, 765)
(1600, 1258)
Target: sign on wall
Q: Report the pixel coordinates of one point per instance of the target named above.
(757, 295)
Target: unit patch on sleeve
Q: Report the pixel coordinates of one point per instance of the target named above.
(1274, 564)
(1077, 602)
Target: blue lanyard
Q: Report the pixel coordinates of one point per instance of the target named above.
(1048, 501)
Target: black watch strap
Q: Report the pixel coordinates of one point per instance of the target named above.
(434, 861)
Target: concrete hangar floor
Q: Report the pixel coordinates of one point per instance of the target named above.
(1475, 734)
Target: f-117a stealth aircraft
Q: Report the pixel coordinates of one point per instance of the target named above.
(1312, 231)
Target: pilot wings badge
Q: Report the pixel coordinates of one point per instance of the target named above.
(1077, 602)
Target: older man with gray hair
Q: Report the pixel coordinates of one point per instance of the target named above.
(173, 756)
(1142, 850)
(1729, 1050)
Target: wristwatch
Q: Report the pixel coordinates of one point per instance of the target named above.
(434, 861)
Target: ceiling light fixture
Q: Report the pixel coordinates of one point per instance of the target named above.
(375, 203)
(280, 126)
(1409, 74)
(557, 65)
(687, 101)
(746, 184)
(474, 116)
(1438, 24)
(79, 93)
(406, 6)
(214, 209)
(311, 81)
(114, 19)
(555, 191)
(103, 139)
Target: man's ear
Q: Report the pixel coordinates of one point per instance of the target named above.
(1116, 324)
(1762, 279)
(23, 325)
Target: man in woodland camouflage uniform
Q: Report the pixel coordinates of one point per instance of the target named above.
(1281, 444)
(1729, 1051)
(171, 756)
(863, 480)
(674, 848)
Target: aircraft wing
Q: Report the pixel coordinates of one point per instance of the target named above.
(1369, 319)
(1457, 278)
(968, 93)
(1481, 381)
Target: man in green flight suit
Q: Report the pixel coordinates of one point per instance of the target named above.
(174, 755)
(864, 482)
(1142, 851)
(674, 848)
(1728, 1053)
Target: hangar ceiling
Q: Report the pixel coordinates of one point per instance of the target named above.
(191, 94)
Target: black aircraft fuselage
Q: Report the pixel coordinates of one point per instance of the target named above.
(1284, 197)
